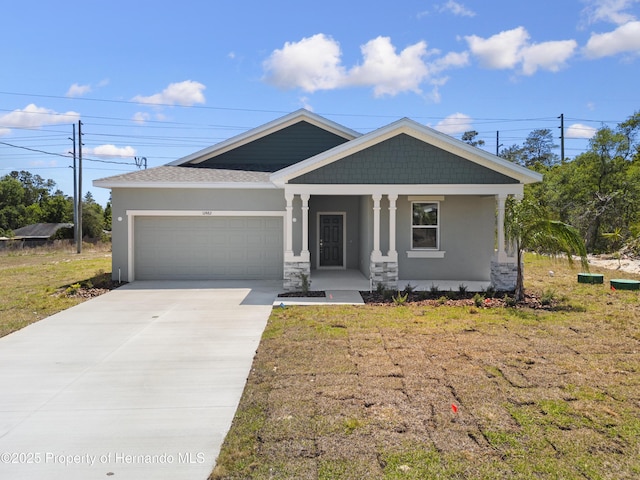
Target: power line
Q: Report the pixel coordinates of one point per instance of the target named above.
(35, 150)
(65, 156)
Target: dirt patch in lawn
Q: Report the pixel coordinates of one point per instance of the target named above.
(419, 391)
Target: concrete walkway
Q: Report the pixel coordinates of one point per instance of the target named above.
(142, 382)
(332, 297)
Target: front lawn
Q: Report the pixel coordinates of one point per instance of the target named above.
(421, 392)
(33, 281)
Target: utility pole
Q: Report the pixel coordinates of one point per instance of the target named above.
(79, 199)
(498, 143)
(561, 117)
(75, 189)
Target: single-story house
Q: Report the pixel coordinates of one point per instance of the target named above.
(302, 193)
(35, 235)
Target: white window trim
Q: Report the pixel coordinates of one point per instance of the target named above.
(425, 252)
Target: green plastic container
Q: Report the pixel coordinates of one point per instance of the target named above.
(624, 284)
(590, 278)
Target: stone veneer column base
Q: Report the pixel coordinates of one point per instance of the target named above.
(293, 273)
(504, 276)
(385, 273)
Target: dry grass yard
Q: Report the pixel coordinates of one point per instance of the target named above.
(33, 281)
(444, 392)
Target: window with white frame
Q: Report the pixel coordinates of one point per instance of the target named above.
(425, 226)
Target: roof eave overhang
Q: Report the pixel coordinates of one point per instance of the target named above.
(188, 185)
(414, 129)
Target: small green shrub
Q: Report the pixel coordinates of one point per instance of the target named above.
(510, 301)
(409, 288)
(478, 300)
(490, 291)
(387, 295)
(72, 289)
(434, 289)
(400, 299)
(462, 288)
(305, 282)
(548, 296)
(443, 299)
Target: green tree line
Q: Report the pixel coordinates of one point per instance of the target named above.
(597, 192)
(26, 199)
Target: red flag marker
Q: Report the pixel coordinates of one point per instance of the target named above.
(454, 408)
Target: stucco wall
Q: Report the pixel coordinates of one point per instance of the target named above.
(180, 199)
(467, 233)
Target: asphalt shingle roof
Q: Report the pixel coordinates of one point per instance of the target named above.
(40, 230)
(174, 174)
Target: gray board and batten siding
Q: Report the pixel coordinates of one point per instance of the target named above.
(277, 150)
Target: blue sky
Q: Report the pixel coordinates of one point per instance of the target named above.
(164, 79)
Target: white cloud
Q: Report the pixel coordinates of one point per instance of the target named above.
(511, 49)
(388, 72)
(312, 64)
(578, 130)
(500, 51)
(43, 163)
(141, 117)
(455, 123)
(76, 90)
(547, 56)
(450, 60)
(111, 151)
(187, 93)
(608, 11)
(304, 103)
(625, 38)
(315, 63)
(457, 9)
(33, 116)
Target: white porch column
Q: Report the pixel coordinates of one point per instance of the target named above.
(393, 254)
(376, 225)
(502, 252)
(305, 226)
(288, 251)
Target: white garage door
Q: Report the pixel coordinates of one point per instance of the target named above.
(208, 248)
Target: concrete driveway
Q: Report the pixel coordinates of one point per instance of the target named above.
(142, 382)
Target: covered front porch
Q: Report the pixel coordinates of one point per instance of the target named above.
(374, 245)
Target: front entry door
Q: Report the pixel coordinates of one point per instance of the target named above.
(331, 240)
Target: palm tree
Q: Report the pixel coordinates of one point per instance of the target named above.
(528, 227)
